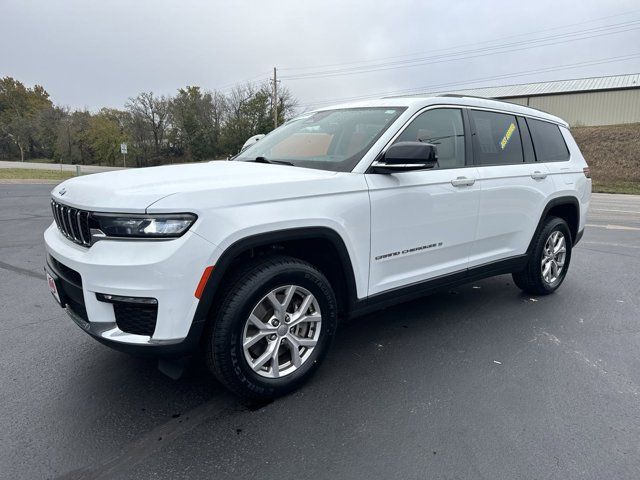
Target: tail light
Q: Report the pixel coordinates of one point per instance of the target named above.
(587, 172)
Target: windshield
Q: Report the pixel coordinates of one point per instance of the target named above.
(333, 140)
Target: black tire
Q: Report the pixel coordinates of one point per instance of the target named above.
(531, 279)
(223, 342)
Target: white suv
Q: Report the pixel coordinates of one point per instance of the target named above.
(334, 214)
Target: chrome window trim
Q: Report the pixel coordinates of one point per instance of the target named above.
(459, 107)
(515, 114)
(406, 125)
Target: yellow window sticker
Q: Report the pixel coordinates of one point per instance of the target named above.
(507, 136)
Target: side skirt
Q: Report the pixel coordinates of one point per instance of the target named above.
(417, 290)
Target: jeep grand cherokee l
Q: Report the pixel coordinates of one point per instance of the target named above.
(338, 212)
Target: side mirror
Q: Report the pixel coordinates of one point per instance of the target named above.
(406, 156)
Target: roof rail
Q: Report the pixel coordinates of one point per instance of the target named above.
(457, 95)
(493, 99)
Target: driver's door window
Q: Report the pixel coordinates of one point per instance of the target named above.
(442, 127)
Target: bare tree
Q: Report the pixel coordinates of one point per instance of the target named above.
(287, 104)
(154, 111)
(250, 111)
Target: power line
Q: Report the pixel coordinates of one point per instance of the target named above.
(427, 88)
(632, 12)
(444, 86)
(468, 54)
(229, 86)
(463, 52)
(374, 67)
(446, 60)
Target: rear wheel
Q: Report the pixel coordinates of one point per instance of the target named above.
(549, 259)
(274, 326)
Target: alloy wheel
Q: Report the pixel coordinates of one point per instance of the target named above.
(553, 257)
(282, 331)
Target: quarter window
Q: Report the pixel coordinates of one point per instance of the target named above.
(548, 141)
(496, 138)
(443, 128)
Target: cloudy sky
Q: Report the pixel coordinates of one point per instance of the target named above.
(89, 54)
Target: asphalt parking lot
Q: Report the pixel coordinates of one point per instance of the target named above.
(479, 382)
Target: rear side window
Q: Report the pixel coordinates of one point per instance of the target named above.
(547, 141)
(496, 138)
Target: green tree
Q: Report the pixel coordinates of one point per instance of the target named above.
(198, 118)
(19, 108)
(47, 128)
(105, 134)
(72, 145)
(194, 124)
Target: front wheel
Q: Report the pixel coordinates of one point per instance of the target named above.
(549, 259)
(274, 326)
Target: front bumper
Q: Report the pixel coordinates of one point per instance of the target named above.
(168, 271)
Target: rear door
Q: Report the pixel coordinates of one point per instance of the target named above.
(423, 222)
(514, 188)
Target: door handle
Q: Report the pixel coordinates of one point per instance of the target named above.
(538, 175)
(463, 182)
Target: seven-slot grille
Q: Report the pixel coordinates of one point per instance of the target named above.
(73, 223)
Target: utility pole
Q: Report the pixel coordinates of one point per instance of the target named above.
(275, 98)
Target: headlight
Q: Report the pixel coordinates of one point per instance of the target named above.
(168, 225)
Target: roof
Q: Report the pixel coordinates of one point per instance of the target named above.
(415, 103)
(614, 82)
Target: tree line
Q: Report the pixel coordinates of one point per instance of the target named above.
(194, 124)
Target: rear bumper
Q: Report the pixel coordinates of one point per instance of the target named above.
(167, 272)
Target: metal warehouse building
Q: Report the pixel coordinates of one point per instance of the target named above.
(581, 102)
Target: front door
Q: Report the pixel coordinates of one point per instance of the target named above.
(423, 222)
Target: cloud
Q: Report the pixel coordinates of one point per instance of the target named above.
(93, 54)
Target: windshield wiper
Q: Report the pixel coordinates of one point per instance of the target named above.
(275, 162)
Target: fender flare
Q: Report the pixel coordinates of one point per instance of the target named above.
(267, 238)
(565, 200)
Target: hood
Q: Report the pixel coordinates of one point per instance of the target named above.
(134, 190)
